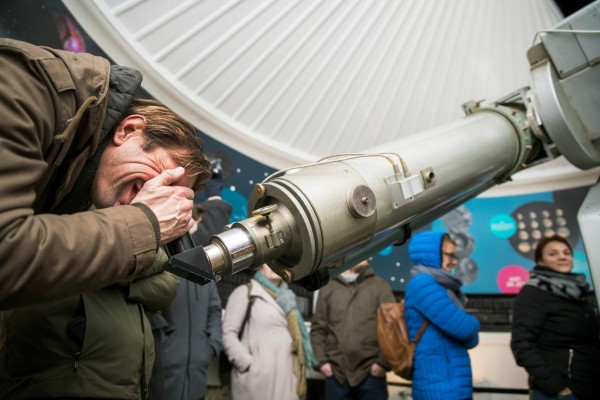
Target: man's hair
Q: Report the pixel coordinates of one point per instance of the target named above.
(539, 248)
(164, 128)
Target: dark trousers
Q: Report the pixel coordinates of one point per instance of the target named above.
(371, 388)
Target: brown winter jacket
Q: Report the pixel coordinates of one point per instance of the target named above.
(52, 107)
(344, 327)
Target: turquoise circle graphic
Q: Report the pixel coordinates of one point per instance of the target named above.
(387, 251)
(503, 226)
(239, 204)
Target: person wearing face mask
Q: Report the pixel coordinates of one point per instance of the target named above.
(442, 368)
(271, 354)
(554, 332)
(344, 334)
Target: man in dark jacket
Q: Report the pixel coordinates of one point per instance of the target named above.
(72, 135)
(344, 334)
(192, 323)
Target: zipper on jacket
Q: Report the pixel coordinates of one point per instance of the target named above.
(143, 379)
(75, 358)
(570, 363)
(144, 388)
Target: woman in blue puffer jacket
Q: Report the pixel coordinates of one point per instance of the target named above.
(442, 369)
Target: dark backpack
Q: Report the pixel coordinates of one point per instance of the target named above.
(394, 340)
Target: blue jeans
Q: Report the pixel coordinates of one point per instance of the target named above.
(539, 395)
(371, 388)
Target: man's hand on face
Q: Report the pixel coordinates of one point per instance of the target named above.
(171, 204)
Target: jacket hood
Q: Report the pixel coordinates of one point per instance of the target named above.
(425, 249)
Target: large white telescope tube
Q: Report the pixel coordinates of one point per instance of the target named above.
(331, 213)
(334, 213)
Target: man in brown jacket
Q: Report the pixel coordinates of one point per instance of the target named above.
(344, 335)
(72, 135)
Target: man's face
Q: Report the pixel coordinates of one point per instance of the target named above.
(124, 167)
(448, 256)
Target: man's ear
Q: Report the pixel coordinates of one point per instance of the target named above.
(130, 126)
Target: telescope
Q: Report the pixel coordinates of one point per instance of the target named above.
(308, 220)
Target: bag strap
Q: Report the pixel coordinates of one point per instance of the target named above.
(421, 329)
(248, 310)
(420, 332)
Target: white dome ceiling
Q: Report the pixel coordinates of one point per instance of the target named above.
(288, 82)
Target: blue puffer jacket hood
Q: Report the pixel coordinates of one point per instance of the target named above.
(425, 248)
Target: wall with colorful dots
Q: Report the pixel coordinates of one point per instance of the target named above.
(496, 238)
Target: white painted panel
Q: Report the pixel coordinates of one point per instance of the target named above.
(288, 82)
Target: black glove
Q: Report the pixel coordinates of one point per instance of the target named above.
(214, 186)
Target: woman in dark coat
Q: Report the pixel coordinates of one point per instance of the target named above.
(555, 328)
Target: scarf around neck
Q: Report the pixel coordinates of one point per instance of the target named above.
(569, 285)
(301, 345)
(444, 278)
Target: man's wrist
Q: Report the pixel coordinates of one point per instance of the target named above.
(153, 220)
